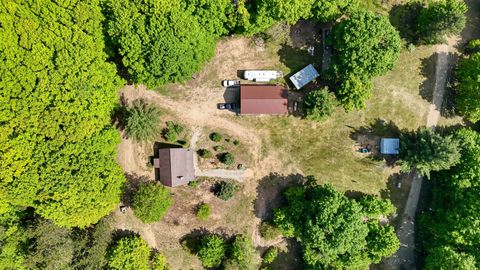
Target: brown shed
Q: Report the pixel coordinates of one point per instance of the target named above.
(263, 99)
(175, 166)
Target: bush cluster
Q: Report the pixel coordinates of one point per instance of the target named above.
(216, 137)
(225, 190)
(204, 153)
(203, 211)
(270, 255)
(268, 231)
(227, 158)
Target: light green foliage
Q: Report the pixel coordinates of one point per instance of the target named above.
(216, 137)
(151, 202)
(428, 151)
(58, 154)
(473, 44)
(240, 255)
(446, 258)
(268, 231)
(51, 246)
(289, 11)
(353, 92)
(382, 241)
(227, 158)
(204, 153)
(159, 41)
(203, 211)
(467, 100)
(129, 253)
(160, 262)
(330, 228)
(142, 121)
(170, 135)
(330, 10)
(366, 45)
(440, 18)
(12, 238)
(374, 207)
(270, 255)
(211, 250)
(225, 190)
(450, 231)
(216, 16)
(176, 127)
(319, 104)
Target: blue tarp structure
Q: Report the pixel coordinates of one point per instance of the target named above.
(389, 146)
(304, 76)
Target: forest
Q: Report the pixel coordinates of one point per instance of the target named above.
(63, 62)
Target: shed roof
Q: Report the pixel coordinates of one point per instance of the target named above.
(175, 166)
(263, 99)
(389, 146)
(304, 76)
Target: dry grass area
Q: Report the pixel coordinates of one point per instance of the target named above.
(285, 146)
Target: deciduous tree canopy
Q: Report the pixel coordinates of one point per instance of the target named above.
(328, 10)
(129, 253)
(151, 202)
(467, 99)
(57, 94)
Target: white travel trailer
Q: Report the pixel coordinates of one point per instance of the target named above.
(262, 75)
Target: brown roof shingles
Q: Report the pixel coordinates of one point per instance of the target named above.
(263, 99)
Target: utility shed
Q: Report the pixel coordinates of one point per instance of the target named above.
(304, 76)
(175, 166)
(389, 146)
(263, 99)
(262, 75)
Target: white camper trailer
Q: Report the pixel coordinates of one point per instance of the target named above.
(262, 75)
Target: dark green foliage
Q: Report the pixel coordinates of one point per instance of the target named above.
(51, 247)
(366, 45)
(58, 152)
(270, 255)
(129, 253)
(159, 41)
(240, 254)
(426, 151)
(331, 229)
(170, 135)
(176, 127)
(353, 92)
(330, 10)
(204, 153)
(142, 121)
(193, 184)
(225, 190)
(211, 250)
(203, 211)
(374, 206)
(440, 18)
(236, 142)
(268, 231)
(216, 137)
(467, 100)
(151, 202)
(227, 158)
(319, 104)
(449, 231)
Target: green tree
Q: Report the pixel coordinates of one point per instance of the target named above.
(445, 258)
(240, 254)
(159, 41)
(227, 158)
(51, 246)
(374, 207)
(382, 241)
(13, 238)
(329, 226)
(366, 45)
(151, 202)
(319, 104)
(211, 250)
(289, 11)
(142, 121)
(129, 253)
(467, 100)
(328, 10)
(216, 16)
(58, 92)
(225, 190)
(270, 255)
(440, 18)
(428, 151)
(353, 92)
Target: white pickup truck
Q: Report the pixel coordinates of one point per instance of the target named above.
(227, 83)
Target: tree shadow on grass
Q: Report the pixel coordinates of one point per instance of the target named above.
(294, 59)
(291, 259)
(428, 70)
(270, 193)
(131, 186)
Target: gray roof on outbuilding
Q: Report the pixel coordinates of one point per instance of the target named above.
(304, 76)
(389, 146)
(175, 166)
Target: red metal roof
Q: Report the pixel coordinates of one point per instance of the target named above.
(263, 99)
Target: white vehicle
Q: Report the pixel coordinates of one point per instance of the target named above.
(228, 83)
(262, 75)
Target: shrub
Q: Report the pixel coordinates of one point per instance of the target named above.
(216, 137)
(236, 142)
(170, 135)
(151, 202)
(270, 255)
(211, 250)
(268, 231)
(177, 128)
(159, 262)
(204, 153)
(225, 190)
(142, 121)
(218, 148)
(319, 104)
(203, 211)
(240, 255)
(193, 184)
(129, 253)
(374, 206)
(227, 158)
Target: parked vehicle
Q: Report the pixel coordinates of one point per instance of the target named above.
(262, 75)
(227, 106)
(228, 83)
